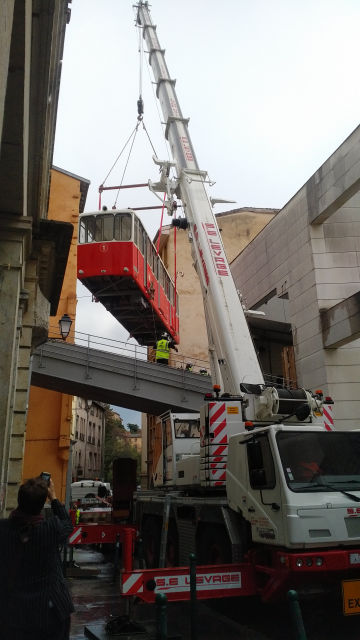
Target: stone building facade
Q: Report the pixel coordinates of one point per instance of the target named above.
(89, 434)
(33, 249)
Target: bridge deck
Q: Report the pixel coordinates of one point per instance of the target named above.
(116, 379)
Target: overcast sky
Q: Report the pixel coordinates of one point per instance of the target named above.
(271, 88)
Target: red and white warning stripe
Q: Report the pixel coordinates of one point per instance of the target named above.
(328, 416)
(75, 536)
(217, 465)
(132, 584)
(217, 421)
(218, 450)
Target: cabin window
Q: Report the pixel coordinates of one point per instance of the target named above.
(187, 428)
(261, 464)
(122, 229)
(108, 228)
(82, 231)
(167, 286)
(315, 461)
(161, 275)
(87, 229)
(104, 229)
(149, 256)
(142, 237)
(152, 259)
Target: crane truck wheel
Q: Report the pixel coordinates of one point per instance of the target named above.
(213, 545)
(151, 535)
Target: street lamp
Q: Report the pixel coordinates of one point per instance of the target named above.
(65, 325)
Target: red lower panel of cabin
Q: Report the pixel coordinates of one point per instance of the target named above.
(114, 273)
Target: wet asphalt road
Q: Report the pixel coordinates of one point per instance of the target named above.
(97, 599)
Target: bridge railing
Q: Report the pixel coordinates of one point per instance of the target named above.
(131, 349)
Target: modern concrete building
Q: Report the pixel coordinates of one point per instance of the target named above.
(303, 271)
(33, 249)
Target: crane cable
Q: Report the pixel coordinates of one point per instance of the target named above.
(134, 131)
(140, 108)
(126, 164)
(140, 103)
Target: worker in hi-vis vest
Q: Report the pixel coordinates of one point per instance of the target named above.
(163, 347)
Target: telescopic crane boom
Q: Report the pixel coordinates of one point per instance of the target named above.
(232, 353)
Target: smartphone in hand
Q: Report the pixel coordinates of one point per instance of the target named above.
(44, 475)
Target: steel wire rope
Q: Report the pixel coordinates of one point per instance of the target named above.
(140, 106)
(137, 125)
(141, 57)
(147, 133)
(126, 164)
(120, 154)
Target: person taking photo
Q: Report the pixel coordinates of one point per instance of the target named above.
(35, 602)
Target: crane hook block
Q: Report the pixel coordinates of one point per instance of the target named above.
(140, 107)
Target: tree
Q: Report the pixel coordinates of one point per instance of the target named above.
(116, 444)
(114, 428)
(133, 428)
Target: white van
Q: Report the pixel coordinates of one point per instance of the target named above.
(86, 490)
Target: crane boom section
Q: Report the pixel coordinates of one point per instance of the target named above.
(233, 356)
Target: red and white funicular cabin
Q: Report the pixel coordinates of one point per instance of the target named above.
(119, 265)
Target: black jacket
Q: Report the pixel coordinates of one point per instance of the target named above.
(32, 585)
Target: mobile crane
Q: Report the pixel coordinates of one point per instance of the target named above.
(268, 498)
